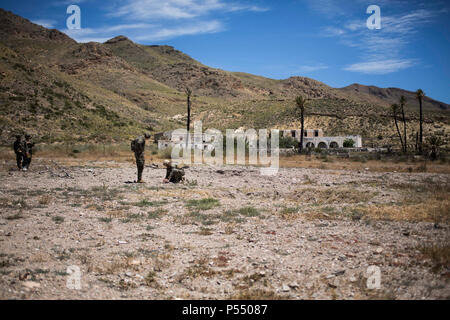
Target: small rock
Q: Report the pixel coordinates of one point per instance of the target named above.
(332, 285)
(24, 276)
(285, 288)
(31, 285)
(339, 273)
(321, 225)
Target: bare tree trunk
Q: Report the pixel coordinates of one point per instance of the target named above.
(302, 133)
(417, 142)
(405, 145)
(188, 118)
(398, 131)
(421, 129)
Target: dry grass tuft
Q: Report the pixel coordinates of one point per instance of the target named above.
(45, 200)
(257, 294)
(439, 255)
(322, 196)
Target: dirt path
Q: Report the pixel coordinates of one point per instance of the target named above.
(228, 233)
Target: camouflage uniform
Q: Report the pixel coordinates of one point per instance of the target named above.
(138, 147)
(19, 149)
(28, 154)
(174, 175)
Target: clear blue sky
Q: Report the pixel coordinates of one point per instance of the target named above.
(327, 40)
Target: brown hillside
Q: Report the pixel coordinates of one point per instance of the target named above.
(62, 90)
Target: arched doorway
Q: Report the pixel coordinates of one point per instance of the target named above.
(310, 145)
(322, 145)
(334, 145)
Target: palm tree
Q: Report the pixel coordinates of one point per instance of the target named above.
(394, 108)
(402, 108)
(301, 104)
(420, 94)
(188, 93)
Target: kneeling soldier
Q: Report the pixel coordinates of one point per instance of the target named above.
(173, 174)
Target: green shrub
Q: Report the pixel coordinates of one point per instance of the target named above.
(288, 142)
(349, 143)
(203, 204)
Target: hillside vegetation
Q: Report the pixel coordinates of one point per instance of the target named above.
(60, 90)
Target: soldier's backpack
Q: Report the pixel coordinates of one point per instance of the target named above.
(133, 145)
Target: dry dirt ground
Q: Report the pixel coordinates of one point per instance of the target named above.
(226, 233)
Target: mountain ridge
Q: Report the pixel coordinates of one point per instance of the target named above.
(117, 89)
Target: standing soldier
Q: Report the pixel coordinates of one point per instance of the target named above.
(19, 151)
(173, 174)
(28, 154)
(138, 147)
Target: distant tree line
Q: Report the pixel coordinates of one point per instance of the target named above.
(434, 143)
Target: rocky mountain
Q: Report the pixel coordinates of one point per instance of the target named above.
(389, 95)
(61, 90)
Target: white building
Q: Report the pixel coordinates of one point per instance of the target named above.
(171, 138)
(314, 138)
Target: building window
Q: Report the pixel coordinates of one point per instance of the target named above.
(316, 133)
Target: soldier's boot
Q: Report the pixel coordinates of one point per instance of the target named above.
(19, 161)
(27, 163)
(140, 170)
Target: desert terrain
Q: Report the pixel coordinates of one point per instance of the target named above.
(310, 232)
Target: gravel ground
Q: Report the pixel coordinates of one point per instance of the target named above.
(291, 236)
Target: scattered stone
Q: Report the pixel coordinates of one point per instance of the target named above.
(135, 262)
(321, 225)
(24, 276)
(30, 285)
(332, 285)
